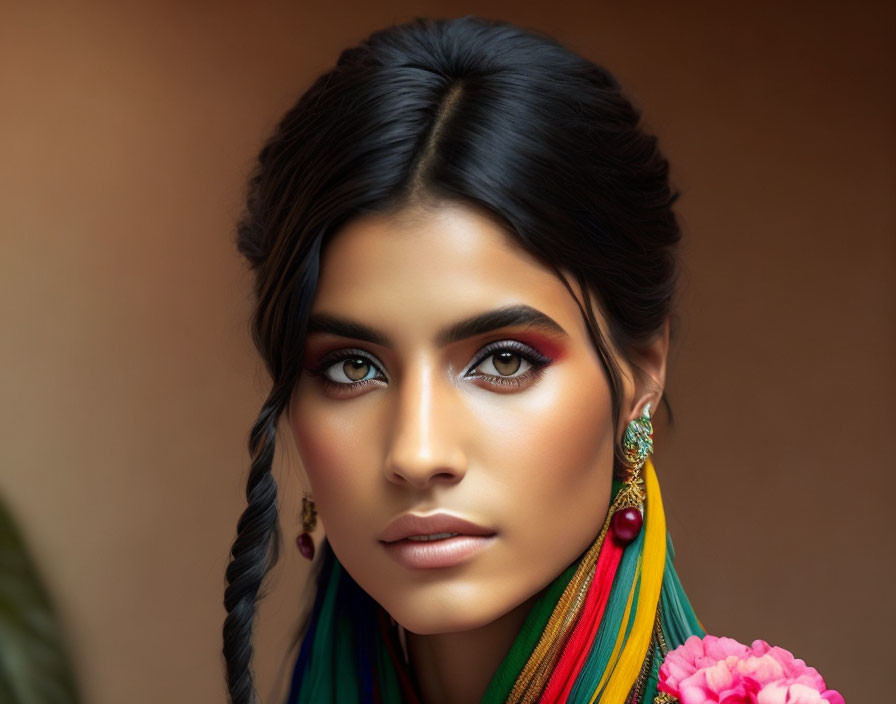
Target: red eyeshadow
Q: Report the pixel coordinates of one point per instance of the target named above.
(548, 346)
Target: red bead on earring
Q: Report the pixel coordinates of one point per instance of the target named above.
(626, 524)
(306, 546)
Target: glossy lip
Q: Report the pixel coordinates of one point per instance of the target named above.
(410, 524)
(445, 552)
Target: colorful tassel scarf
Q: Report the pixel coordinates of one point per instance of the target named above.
(598, 633)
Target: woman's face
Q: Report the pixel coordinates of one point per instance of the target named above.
(448, 372)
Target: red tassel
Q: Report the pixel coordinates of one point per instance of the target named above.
(584, 632)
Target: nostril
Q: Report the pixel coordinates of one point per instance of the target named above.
(422, 475)
(447, 477)
(419, 464)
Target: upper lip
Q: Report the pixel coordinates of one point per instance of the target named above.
(410, 524)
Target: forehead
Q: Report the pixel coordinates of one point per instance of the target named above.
(414, 271)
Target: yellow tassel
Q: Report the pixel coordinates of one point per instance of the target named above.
(653, 560)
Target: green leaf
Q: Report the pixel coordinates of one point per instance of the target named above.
(34, 664)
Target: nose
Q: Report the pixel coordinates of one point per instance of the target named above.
(423, 448)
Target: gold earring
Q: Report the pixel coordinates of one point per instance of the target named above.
(304, 541)
(637, 446)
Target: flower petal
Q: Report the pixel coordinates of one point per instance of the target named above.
(773, 693)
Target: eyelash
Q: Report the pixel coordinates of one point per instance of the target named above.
(537, 361)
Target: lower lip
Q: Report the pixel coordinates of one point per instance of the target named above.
(429, 554)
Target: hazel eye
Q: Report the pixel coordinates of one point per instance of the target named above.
(352, 369)
(504, 363)
(508, 365)
(349, 369)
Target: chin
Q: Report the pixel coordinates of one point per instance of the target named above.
(431, 611)
(431, 622)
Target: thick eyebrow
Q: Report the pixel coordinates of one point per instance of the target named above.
(509, 316)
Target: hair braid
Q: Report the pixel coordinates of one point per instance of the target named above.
(255, 551)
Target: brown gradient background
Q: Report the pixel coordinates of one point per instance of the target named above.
(129, 383)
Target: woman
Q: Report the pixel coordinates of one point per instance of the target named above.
(464, 250)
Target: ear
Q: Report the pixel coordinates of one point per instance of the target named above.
(650, 374)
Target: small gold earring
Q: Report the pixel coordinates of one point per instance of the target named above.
(304, 541)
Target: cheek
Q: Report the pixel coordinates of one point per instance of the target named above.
(335, 448)
(553, 456)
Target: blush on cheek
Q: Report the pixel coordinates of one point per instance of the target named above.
(581, 433)
(321, 453)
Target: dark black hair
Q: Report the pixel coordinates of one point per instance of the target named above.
(465, 110)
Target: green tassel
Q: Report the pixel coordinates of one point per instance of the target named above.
(317, 686)
(346, 676)
(650, 690)
(679, 620)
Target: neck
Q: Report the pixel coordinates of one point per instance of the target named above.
(456, 668)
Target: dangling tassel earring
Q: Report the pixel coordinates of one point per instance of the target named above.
(637, 445)
(309, 520)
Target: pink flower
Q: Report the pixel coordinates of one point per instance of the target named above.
(715, 670)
